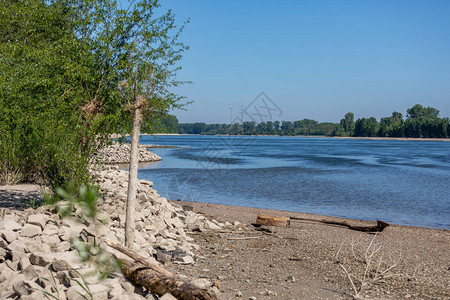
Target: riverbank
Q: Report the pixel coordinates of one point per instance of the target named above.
(304, 136)
(307, 260)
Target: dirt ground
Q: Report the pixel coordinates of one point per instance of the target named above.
(311, 260)
(308, 260)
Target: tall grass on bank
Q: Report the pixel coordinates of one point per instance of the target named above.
(41, 151)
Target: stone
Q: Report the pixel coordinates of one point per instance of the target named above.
(51, 240)
(17, 246)
(30, 272)
(30, 230)
(5, 272)
(3, 243)
(98, 291)
(38, 219)
(9, 236)
(41, 258)
(36, 295)
(186, 260)
(10, 225)
(22, 286)
(167, 296)
(63, 277)
(202, 283)
(239, 293)
(60, 265)
(24, 262)
(212, 226)
(3, 253)
(290, 278)
(127, 286)
(13, 265)
(163, 257)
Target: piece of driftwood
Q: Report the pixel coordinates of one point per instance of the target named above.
(157, 279)
(375, 228)
(160, 284)
(138, 258)
(272, 221)
(242, 238)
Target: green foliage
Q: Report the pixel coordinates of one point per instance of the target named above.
(84, 197)
(348, 124)
(60, 68)
(81, 201)
(420, 122)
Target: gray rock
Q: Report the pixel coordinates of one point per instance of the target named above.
(9, 236)
(41, 258)
(63, 277)
(24, 262)
(202, 283)
(167, 296)
(98, 291)
(30, 230)
(24, 287)
(13, 265)
(212, 226)
(17, 246)
(60, 265)
(127, 286)
(163, 257)
(38, 219)
(10, 225)
(36, 295)
(186, 260)
(30, 272)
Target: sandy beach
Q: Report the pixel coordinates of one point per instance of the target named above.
(307, 260)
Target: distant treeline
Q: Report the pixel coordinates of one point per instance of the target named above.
(420, 122)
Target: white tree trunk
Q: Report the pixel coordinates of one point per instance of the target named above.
(132, 179)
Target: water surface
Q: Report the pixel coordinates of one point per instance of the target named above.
(402, 182)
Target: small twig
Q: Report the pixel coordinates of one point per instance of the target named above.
(243, 238)
(351, 280)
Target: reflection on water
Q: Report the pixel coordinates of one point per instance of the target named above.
(397, 181)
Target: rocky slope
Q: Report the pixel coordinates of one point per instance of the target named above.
(120, 154)
(38, 255)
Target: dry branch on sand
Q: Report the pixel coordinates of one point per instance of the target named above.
(157, 279)
(372, 269)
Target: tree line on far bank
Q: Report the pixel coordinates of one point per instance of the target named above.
(420, 122)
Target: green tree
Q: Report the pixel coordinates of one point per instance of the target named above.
(348, 123)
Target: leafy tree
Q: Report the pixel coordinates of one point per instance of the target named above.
(287, 128)
(348, 123)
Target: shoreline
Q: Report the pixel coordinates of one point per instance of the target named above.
(310, 136)
(414, 258)
(312, 216)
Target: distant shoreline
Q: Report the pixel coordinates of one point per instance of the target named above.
(407, 139)
(322, 136)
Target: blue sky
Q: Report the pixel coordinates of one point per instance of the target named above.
(314, 59)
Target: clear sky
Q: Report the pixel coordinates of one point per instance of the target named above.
(314, 59)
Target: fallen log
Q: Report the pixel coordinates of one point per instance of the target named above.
(160, 284)
(136, 257)
(157, 279)
(375, 228)
(272, 221)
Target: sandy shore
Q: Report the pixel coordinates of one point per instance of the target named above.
(307, 260)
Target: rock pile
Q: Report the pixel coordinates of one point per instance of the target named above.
(38, 256)
(120, 154)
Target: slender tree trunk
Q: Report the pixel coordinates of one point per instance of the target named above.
(132, 179)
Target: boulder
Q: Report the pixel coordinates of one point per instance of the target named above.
(38, 219)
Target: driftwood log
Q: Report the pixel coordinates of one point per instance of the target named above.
(375, 228)
(156, 279)
(272, 221)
